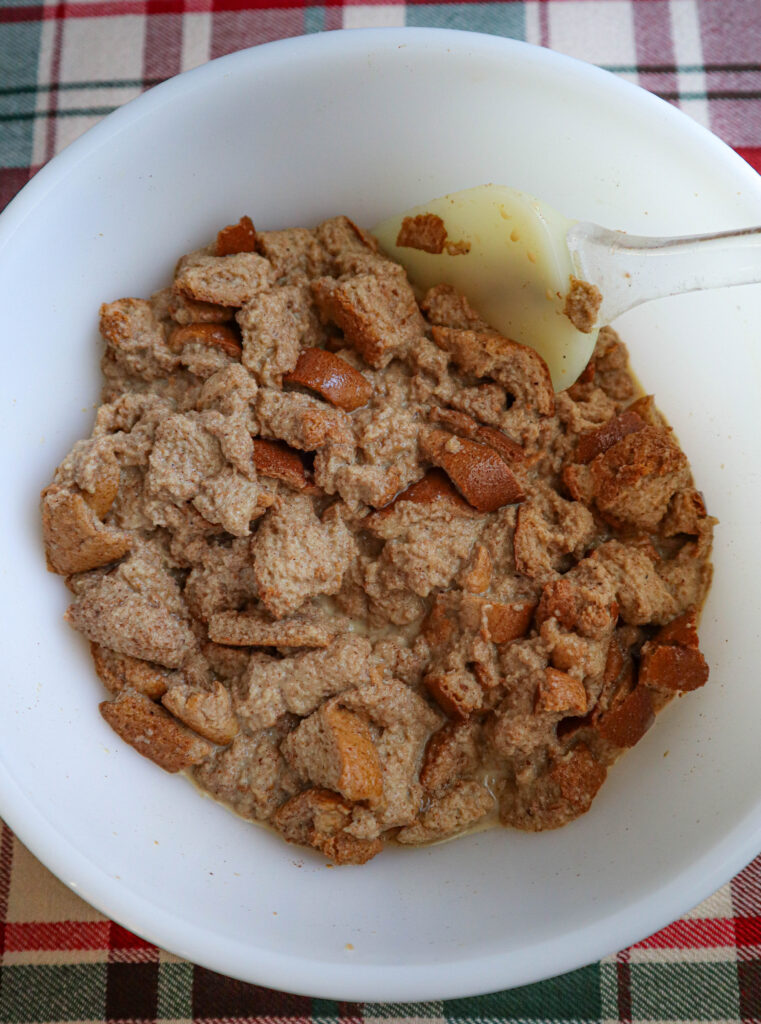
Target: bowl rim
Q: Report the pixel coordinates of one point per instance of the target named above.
(283, 971)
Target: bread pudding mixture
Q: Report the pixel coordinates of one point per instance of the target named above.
(343, 555)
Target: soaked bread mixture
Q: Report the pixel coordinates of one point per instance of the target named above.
(343, 556)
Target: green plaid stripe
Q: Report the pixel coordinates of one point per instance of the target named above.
(172, 992)
(47, 993)
(694, 992)
(19, 46)
(175, 991)
(573, 998)
(501, 19)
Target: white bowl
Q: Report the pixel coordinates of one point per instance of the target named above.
(365, 123)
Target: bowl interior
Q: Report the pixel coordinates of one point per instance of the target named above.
(366, 123)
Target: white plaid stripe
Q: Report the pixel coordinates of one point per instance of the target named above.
(717, 905)
(101, 49)
(682, 955)
(196, 40)
(598, 33)
(70, 128)
(688, 49)
(384, 1012)
(374, 16)
(533, 29)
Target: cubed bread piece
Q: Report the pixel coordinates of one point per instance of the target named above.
(256, 629)
(251, 775)
(642, 594)
(585, 610)
(296, 555)
(275, 326)
(153, 732)
(457, 810)
(210, 335)
(451, 753)
(455, 420)
(186, 311)
(497, 621)
(506, 622)
(295, 253)
(582, 304)
(227, 662)
(434, 486)
(315, 675)
(610, 366)
(111, 613)
(135, 338)
(317, 818)
(478, 472)
(221, 580)
(301, 421)
(334, 748)
(377, 312)
(686, 514)
(425, 549)
(597, 441)
(508, 449)
(270, 687)
(209, 713)
(520, 370)
(577, 478)
(184, 455)
(240, 237)
(547, 530)
(646, 409)
(477, 574)
(348, 245)
(225, 280)
(405, 721)
(559, 691)
(439, 625)
(342, 469)
(331, 377)
(101, 486)
(671, 661)
(457, 692)
(627, 721)
(634, 480)
(578, 777)
(556, 796)
(257, 696)
(275, 459)
(120, 672)
(75, 539)
(487, 402)
(233, 500)
(427, 232)
(446, 307)
(680, 632)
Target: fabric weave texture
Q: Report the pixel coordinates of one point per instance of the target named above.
(63, 66)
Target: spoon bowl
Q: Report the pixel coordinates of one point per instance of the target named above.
(521, 264)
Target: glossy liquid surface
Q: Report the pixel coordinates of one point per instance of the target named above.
(515, 273)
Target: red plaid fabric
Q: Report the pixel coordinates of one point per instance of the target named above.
(65, 65)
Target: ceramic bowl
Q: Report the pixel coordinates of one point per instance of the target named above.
(365, 123)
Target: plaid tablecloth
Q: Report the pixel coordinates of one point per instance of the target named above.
(65, 65)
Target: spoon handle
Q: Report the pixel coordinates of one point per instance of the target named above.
(632, 269)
